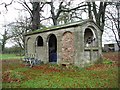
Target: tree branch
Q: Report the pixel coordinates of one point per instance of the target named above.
(7, 4)
(26, 7)
(59, 10)
(69, 10)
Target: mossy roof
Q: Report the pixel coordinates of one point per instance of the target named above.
(59, 27)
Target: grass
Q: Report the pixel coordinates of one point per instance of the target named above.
(9, 56)
(17, 75)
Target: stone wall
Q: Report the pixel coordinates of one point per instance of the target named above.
(68, 48)
(71, 46)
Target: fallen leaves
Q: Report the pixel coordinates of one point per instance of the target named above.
(9, 77)
(114, 56)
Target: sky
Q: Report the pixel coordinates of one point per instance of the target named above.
(12, 14)
(9, 16)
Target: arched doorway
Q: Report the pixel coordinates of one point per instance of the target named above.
(52, 44)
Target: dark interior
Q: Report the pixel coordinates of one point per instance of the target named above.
(39, 41)
(52, 48)
(88, 36)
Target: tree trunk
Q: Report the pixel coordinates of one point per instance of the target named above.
(89, 11)
(3, 45)
(99, 15)
(36, 16)
(54, 21)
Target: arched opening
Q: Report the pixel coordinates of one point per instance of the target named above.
(39, 41)
(89, 37)
(52, 44)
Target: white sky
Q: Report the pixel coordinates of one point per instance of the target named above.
(9, 16)
(12, 14)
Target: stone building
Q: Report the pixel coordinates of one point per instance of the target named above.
(111, 47)
(76, 43)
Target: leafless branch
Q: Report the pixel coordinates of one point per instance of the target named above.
(69, 10)
(24, 4)
(112, 27)
(5, 4)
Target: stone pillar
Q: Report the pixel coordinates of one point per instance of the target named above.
(78, 46)
(46, 50)
(59, 48)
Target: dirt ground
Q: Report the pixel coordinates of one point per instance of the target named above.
(114, 56)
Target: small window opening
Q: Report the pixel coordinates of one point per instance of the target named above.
(88, 37)
(39, 41)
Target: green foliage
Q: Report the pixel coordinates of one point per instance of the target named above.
(105, 61)
(9, 56)
(13, 50)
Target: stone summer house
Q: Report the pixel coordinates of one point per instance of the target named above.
(76, 43)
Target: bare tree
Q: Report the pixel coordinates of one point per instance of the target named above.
(97, 13)
(65, 13)
(18, 29)
(55, 14)
(5, 37)
(34, 12)
(112, 16)
(70, 14)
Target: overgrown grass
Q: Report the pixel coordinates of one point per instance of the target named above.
(9, 56)
(17, 75)
(53, 76)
